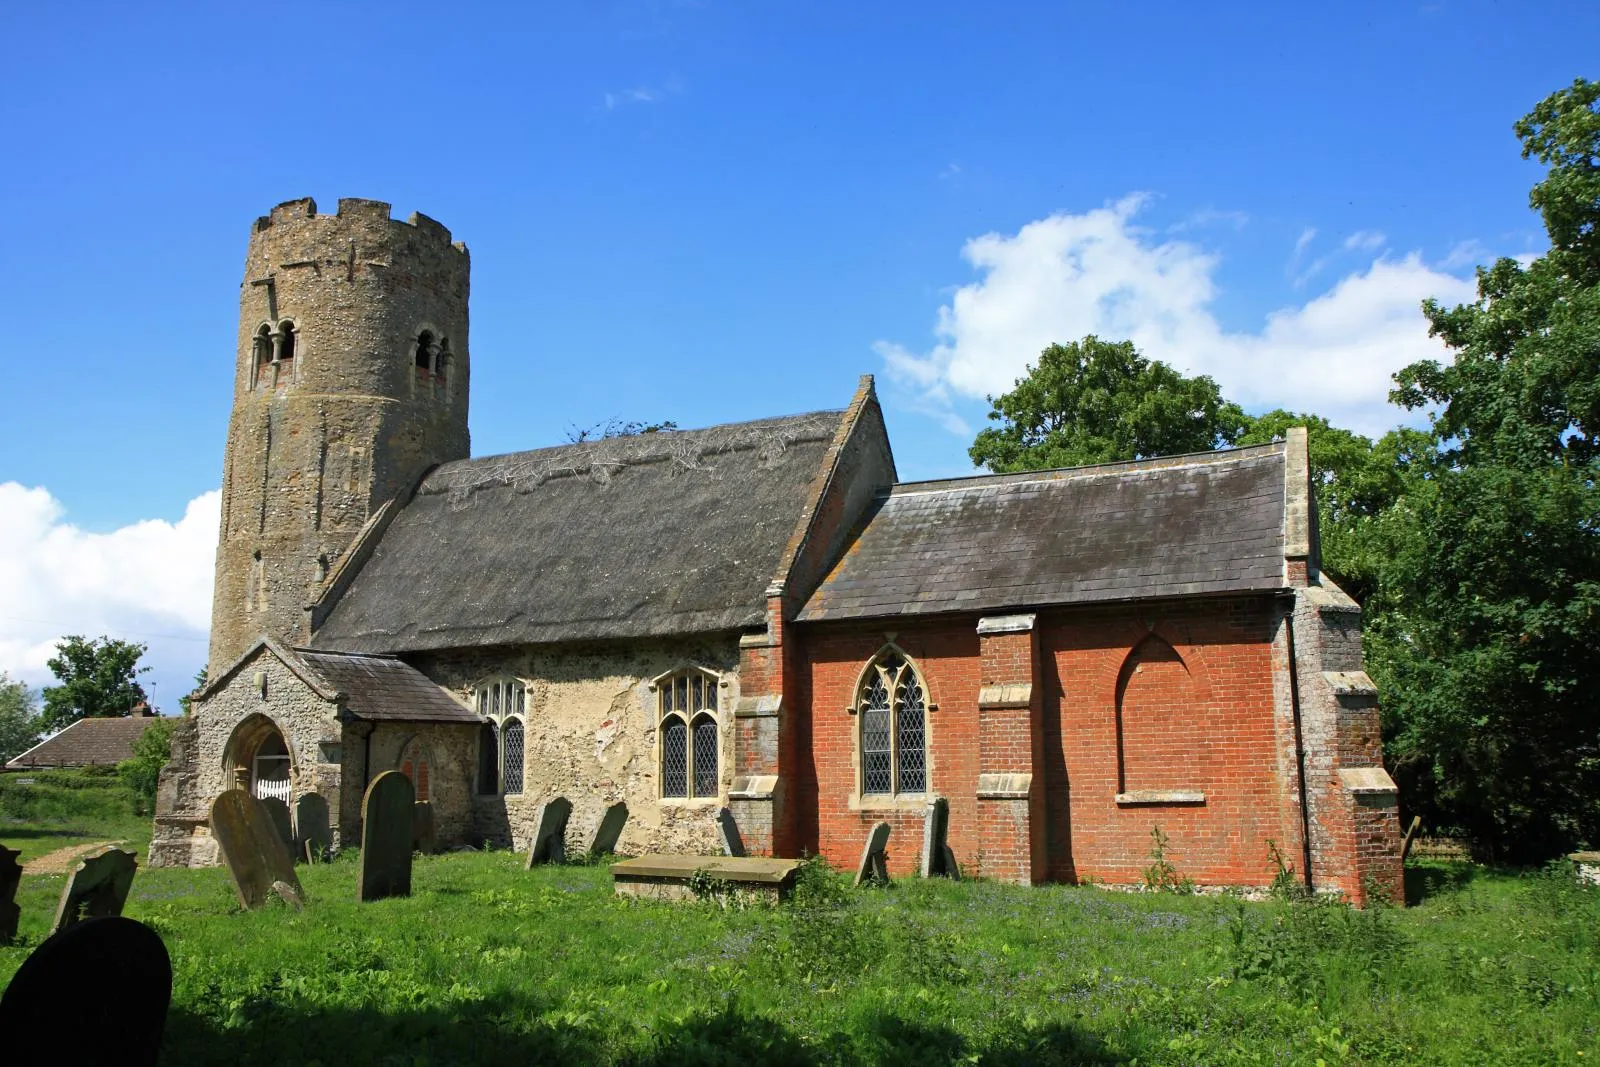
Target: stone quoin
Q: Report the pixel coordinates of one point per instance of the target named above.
(758, 617)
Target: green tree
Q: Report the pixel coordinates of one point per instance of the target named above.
(99, 679)
(1095, 401)
(19, 718)
(1483, 640)
(142, 771)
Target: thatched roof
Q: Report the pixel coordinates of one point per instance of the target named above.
(1180, 526)
(655, 534)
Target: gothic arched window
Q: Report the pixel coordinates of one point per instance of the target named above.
(424, 353)
(503, 703)
(892, 706)
(689, 737)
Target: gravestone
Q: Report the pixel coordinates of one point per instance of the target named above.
(313, 835)
(10, 878)
(386, 814)
(937, 859)
(874, 866)
(728, 830)
(97, 889)
(60, 995)
(610, 829)
(549, 844)
(252, 850)
(422, 834)
(278, 812)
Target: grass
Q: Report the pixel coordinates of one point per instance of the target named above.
(41, 811)
(486, 963)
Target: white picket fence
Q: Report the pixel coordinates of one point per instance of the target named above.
(272, 788)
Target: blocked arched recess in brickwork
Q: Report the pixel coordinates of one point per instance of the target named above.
(1159, 702)
(254, 743)
(415, 764)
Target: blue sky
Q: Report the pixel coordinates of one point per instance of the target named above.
(710, 211)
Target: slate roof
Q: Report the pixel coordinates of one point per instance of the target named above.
(655, 534)
(1177, 526)
(86, 742)
(385, 689)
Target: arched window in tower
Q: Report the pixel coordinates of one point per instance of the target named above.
(892, 706)
(261, 352)
(424, 355)
(285, 338)
(442, 360)
(689, 735)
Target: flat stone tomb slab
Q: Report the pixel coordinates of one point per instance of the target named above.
(667, 877)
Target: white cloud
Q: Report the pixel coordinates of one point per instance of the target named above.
(640, 95)
(1467, 253)
(1210, 216)
(150, 582)
(1364, 241)
(1066, 276)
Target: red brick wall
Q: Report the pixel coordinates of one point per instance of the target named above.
(1197, 715)
(947, 656)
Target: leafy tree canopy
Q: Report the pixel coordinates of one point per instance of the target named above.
(1483, 637)
(19, 719)
(98, 679)
(142, 771)
(1095, 401)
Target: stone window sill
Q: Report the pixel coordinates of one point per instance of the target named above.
(1160, 796)
(690, 802)
(898, 802)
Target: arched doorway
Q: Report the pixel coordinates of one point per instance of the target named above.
(259, 759)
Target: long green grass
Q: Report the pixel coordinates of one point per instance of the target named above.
(486, 963)
(41, 811)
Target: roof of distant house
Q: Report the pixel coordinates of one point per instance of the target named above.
(1178, 526)
(85, 743)
(659, 533)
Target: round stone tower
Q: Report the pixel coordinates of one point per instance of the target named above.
(351, 381)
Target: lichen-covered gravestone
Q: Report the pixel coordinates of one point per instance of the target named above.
(254, 852)
(10, 878)
(386, 814)
(96, 992)
(610, 829)
(422, 832)
(313, 835)
(97, 889)
(549, 844)
(937, 859)
(874, 865)
(278, 812)
(728, 830)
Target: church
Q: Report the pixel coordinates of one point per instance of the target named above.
(759, 616)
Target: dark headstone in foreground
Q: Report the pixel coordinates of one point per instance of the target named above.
(728, 830)
(97, 889)
(937, 859)
(549, 844)
(313, 834)
(422, 832)
(96, 992)
(278, 812)
(874, 865)
(252, 849)
(10, 878)
(611, 824)
(386, 814)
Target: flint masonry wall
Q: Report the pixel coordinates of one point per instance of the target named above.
(316, 443)
(226, 728)
(592, 736)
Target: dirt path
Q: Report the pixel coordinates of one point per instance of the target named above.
(62, 860)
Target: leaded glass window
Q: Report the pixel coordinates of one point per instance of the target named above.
(690, 736)
(503, 702)
(893, 709)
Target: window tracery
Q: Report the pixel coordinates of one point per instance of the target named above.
(689, 735)
(501, 739)
(892, 707)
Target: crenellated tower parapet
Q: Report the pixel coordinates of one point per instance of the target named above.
(351, 380)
